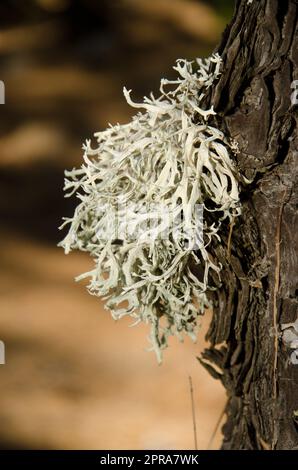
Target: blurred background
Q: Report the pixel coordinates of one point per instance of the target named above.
(73, 377)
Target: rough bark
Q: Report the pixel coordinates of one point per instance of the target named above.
(259, 278)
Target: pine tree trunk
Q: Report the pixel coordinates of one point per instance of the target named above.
(259, 276)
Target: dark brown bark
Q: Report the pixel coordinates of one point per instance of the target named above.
(259, 278)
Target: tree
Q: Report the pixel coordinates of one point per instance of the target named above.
(259, 277)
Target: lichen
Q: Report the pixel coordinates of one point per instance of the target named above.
(290, 339)
(168, 155)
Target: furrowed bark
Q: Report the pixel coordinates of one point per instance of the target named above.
(259, 277)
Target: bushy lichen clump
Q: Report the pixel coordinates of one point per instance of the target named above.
(162, 156)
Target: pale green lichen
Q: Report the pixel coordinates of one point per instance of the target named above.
(290, 339)
(163, 155)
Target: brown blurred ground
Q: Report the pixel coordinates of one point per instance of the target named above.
(74, 378)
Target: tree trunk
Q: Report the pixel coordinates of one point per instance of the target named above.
(259, 277)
